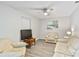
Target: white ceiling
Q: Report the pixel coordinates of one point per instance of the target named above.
(61, 8)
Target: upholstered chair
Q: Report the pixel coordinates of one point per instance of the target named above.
(51, 37)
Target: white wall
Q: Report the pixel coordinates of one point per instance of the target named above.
(75, 21)
(12, 21)
(63, 23)
(35, 25)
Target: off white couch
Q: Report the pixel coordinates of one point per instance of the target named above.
(67, 48)
(9, 48)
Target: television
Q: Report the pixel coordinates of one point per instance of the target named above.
(26, 34)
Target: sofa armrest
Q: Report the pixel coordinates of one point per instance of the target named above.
(19, 44)
(15, 52)
(57, 54)
(1, 50)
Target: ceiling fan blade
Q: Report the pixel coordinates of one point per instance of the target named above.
(76, 1)
(36, 8)
(51, 9)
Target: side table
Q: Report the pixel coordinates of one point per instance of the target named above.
(30, 41)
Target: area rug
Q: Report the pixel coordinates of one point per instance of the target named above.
(41, 49)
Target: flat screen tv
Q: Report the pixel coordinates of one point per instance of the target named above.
(26, 34)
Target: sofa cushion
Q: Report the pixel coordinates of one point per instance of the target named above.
(11, 54)
(76, 53)
(1, 50)
(18, 44)
(21, 50)
(60, 46)
(7, 48)
(60, 55)
(63, 48)
(5, 44)
(62, 40)
(74, 43)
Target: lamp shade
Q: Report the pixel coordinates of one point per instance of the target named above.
(72, 29)
(69, 33)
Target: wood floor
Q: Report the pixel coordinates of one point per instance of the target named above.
(41, 49)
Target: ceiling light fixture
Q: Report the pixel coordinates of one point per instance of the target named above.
(45, 13)
(48, 10)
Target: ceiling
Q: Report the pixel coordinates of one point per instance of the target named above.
(61, 8)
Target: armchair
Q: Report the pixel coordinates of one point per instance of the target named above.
(51, 37)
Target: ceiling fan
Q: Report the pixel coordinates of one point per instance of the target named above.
(45, 10)
(76, 1)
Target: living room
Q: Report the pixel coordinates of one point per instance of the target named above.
(18, 15)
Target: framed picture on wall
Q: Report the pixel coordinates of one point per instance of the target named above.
(52, 24)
